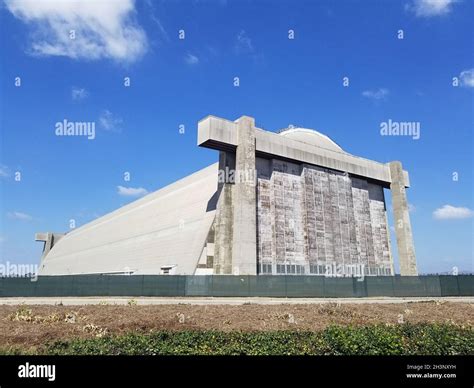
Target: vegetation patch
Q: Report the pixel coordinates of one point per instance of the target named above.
(380, 339)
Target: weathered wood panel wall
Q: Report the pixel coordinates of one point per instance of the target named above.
(313, 220)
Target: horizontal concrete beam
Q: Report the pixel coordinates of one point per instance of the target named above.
(221, 134)
(46, 236)
(41, 236)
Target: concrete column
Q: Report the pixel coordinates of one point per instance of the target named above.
(223, 223)
(49, 240)
(223, 228)
(406, 249)
(244, 252)
(224, 220)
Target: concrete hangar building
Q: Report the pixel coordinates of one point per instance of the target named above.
(292, 203)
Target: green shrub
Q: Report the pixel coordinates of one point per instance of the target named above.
(419, 339)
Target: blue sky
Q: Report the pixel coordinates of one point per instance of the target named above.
(177, 82)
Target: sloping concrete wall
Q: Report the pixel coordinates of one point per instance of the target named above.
(166, 228)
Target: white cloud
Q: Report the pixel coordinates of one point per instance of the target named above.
(448, 212)
(191, 59)
(378, 94)
(79, 93)
(131, 191)
(19, 216)
(428, 8)
(411, 208)
(152, 14)
(110, 122)
(243, 43)
(102, 29)
(467, 78)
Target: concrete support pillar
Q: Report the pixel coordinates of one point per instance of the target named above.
(406, 249)
(49, 240)
(244, 252)
(223, 223)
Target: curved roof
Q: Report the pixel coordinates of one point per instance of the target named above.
(310, 136)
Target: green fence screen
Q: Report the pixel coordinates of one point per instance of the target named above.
(247, 286)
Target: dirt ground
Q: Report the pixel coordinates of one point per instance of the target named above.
(32, 326)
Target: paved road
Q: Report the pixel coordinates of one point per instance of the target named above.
(70, 301)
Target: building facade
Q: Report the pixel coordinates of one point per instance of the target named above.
(299, 204)
(287, 203)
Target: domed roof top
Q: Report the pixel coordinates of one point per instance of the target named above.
(312, 137)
